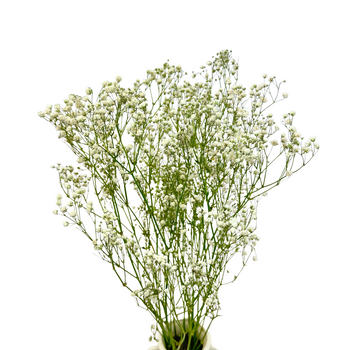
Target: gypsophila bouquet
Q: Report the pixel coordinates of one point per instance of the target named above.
(198, 161)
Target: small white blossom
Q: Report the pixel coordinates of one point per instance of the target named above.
(285, 95)
(251, 229)
(88, 91)
(65, 223)
(179, 188)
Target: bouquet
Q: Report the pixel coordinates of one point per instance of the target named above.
(198, 160)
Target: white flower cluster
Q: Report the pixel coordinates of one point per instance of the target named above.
(197, 162)
(74, 186)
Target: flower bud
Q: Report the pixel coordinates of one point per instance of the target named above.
(88, 91)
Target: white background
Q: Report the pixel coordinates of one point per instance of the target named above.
(55, 292)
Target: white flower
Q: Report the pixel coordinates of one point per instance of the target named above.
(118, 78)
(274, 142)
(285, 95)
(73, 213)
(179, 188)
(88, 91)
(209, 301)
(255, 258)
(289, 173)
(55, 212)
(65, 223)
